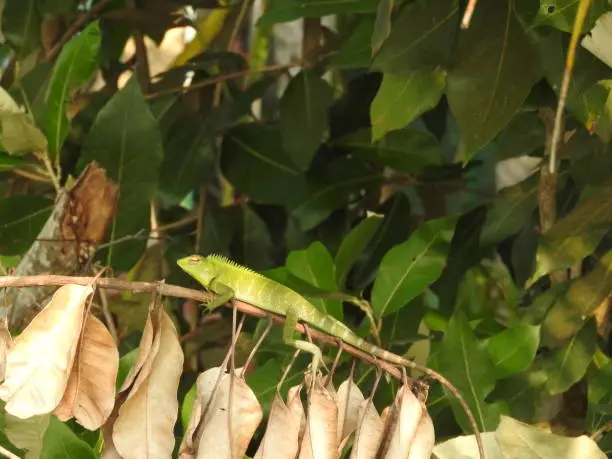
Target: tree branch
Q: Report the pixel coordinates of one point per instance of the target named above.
(186, 293)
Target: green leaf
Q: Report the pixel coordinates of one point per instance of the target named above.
(353, 245)
(316, 266)
(510, 211)
(514, 349)
(21, 25)
(466, 363)
(22, 219)
(522, 136)
(382, 26)
(125, 140)
(340, 183)
(409, 268)
(599, 392)
(356, 50)
(19, 132)
(304, 116)
(60, 442)
(10, 162)
(578, 303)
(562, 13)
(189, 160)
(74, 67)
(187, 406)
(422, 37)
(253, 245)
(405, 150)
(569, 363)
(403, 98)
(290, 10)
(484, 89)
(576, 235)
(253, 160)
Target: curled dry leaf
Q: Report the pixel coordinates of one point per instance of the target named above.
(350, 403)
(39, 363)
(281, 439)
(320, 438)
(144, 427)
(368, 434)
(228, 422)
(90, 393)
(401, 424)
(424, 439)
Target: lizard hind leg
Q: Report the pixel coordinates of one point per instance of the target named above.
(291, 320)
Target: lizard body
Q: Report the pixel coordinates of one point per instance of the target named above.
(229, 280)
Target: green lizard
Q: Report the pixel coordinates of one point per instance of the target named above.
(229, 280)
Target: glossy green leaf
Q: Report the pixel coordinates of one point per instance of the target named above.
(356, 50)
(484, 89)
(304, 116)
(571, 309)
(189, 160)
(403, 98)
(405, 150)
(22, 219)
(421, 38)
(21, 25)
(353, 245)
(409, 268)
(576, 235)
(514, 349)
(290, 10)
(382, 26)
(568, 364)
(510, 211)
(467, 364)
(316, 266)
(75, 66)
(62, 443)
(126, 141)
(341, 182)
(19, 134)
(253, 160)
(562, 13)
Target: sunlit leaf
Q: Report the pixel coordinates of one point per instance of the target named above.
(514, 349)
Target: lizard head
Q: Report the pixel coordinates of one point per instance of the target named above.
(198, 267)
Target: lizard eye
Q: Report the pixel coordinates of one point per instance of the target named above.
(194, 259)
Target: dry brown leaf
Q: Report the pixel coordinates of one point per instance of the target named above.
(144, 427)
(27, 434)
(401, 424)
(6, 343)
(90, 394)
(281, 438)
(350, 403)
(369, 432)
(424, 439)
(39, 363)
(319, 440)
(233, 400)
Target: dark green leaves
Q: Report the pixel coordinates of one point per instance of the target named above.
(253, 160)
(74, 66)
(421, 38)
(125, 140)
(22, 219)
(290, 10)
(304, 116)
(514, 349)
(403, 98)
(562, 13)
(409, 268)
(466, 363)
(484, 88)
(21, 21)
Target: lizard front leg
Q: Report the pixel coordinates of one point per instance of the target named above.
(291, 320)
(224, 294)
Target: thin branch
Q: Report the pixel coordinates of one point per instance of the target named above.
(75, 28)
(185, 293)
(220, 78)
(108, 317)
(6, 453)
(583, 7)
(467, 16)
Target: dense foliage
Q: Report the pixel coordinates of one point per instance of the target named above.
(367, 175)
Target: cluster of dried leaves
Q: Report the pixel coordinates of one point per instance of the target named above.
(66, 363)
